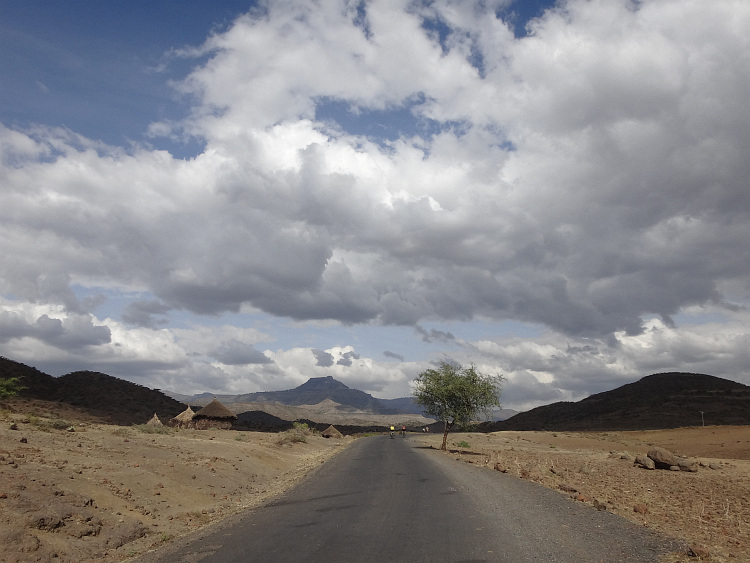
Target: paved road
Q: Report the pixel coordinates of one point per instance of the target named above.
(389, 500)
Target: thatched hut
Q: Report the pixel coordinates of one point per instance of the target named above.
(184, 419)
(214, 415)
(154, 421)
(331, 432)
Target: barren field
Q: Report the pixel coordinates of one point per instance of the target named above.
(74, 490)
(708, 509)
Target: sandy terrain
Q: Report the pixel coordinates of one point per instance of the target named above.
(75, 490)
(83, 491)
(708, 509)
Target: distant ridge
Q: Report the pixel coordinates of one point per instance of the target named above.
(664, 400)
(113, 400)
(315, 390)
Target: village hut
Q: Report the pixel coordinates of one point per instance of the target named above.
(331, 432)
(214, 415)
(184, 419)
(154, 421)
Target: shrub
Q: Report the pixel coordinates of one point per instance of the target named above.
(151, 429)
(298, 433)
(10, 387)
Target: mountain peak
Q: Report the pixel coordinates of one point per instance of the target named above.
(322, 383)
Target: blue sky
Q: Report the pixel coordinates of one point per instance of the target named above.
(230, 197)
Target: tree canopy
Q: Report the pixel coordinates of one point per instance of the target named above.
(10, 387)
(455, 394)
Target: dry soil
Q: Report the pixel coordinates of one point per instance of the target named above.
(74, 489)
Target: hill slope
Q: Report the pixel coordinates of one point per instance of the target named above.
(664, 400)
(113, 400)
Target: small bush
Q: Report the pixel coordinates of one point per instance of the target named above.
(150, 429)
(10, 387)
(463, 444)
(298, 433)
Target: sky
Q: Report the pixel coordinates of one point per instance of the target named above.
(232, 197)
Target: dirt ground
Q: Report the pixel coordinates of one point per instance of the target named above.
(709, 509)
(74, 490)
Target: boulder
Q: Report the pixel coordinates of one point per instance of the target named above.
(663, 459)
(687, 464)
(644, 461)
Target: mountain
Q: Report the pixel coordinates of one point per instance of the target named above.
(314, 391)
(113, 400)
(664, 400)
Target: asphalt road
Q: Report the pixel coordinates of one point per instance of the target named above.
(389, 500)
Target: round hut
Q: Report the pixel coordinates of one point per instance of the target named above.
(184, 419)
(214, 415)
(331, 432)
(154, 421)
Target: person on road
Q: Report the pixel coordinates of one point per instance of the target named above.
(393, 431)
(403, 430)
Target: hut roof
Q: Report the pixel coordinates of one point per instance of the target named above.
(185, 416)
(215, 409)
(331, 432)
(154, 421)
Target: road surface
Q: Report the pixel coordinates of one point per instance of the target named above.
(391, 500)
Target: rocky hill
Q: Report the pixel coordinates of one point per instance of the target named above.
(113, 400)
(664, 400)
(313, 392)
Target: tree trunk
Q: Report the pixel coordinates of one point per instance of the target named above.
(445, 434)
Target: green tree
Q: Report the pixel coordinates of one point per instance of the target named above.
(455, 394)
(10, 387)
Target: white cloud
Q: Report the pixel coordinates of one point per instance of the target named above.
(586, 178)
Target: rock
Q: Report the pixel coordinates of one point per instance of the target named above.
(698, 551)
(686, 464)
(644, 461)
(674, 467)
(663, 459)
(640, 508)
(500, 467)
(125, 532)
(599, 505)
(48, 521)
(567, 488)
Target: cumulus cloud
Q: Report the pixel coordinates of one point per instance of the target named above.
(72, 332)
(347, 358)
(236, 353)
(433, 335)
(322, 358)
(394, 356)
(589, 177)
(142, 313)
